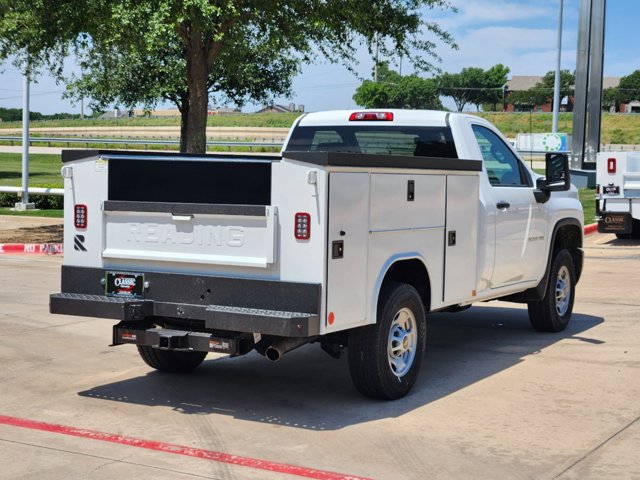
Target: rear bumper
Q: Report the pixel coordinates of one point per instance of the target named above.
(236, 305)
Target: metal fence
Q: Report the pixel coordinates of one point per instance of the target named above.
(144, 142)
(36, 190)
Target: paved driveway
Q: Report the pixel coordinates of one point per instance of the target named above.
(494, 400)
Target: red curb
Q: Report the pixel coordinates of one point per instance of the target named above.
(591, 228)
(31, 248)
(178, 450)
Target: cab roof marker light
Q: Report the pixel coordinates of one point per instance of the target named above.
(371, 117)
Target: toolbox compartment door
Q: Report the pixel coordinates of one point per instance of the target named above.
(347, 250)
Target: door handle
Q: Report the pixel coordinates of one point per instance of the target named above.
(503, 205)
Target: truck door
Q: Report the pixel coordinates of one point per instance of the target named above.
(519, 220)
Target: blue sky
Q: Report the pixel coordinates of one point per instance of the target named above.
(521, 34)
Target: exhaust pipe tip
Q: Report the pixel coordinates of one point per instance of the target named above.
(273, 354)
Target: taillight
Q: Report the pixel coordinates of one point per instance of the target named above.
(611, 165)
(371, 116)
(80, 216)
(302, 226)
(597, 189)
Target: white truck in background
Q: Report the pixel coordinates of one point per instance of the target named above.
(367, 221)
(618, 193)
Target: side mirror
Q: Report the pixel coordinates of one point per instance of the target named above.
(558, 178)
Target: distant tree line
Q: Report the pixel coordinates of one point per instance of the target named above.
(15, 115)
(474, 86)
(486, 89)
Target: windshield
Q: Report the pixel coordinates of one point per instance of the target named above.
(380, 140)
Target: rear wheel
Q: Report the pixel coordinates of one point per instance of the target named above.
(171, 361)
(554, 312)
(385, 358)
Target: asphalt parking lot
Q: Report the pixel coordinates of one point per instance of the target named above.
(494, 399)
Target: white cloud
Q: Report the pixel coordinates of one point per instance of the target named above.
(524, 50)
(493, 12)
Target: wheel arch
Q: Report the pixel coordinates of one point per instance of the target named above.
(567, 234)
(410, 269)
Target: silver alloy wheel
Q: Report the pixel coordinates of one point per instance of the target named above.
(563, 291)
(403, 341)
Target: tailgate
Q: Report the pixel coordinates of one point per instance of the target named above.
(236, 235)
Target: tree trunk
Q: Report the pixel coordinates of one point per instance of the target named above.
(183, 107)
(197, 103)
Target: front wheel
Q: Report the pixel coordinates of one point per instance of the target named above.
(552, 314)
(170, 361)
(385, 358)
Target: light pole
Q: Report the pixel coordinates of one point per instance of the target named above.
(556, 86)
(24, 203)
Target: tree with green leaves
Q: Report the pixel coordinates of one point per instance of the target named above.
(567, 83)
(474, 85)
(190, 51)
(611, 99)
(395, 91)
(495, 80)
(542, 92)
(629, 87)
(461, 87)
(527, 99)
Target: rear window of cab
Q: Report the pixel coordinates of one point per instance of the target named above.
(377, 140)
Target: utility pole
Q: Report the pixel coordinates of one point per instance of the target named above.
(556, 86)
(24, 203)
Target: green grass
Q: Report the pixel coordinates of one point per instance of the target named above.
(588, 200)
(280, 120)
(44, 170)
(33, 213)
(616, 128)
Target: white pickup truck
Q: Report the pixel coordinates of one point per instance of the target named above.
(618, 193)
(367, 221)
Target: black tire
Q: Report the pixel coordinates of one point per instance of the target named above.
(554, 312)
(376, 370)
(170, 361)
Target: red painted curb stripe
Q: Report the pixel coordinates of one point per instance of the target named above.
(34, 248)
(591, 228)
(178, 450)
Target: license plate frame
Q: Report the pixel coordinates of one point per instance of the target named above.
(611, 190)
(124, 284)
